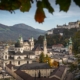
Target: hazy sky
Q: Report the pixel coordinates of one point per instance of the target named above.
(58, 18)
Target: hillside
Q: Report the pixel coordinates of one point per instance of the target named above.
(56, 38)
(13, 32)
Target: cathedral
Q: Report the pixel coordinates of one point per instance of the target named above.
(23, 51)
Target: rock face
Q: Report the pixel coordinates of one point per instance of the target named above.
(12, 32)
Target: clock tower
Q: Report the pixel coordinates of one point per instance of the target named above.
(45, 45)
(70, 46)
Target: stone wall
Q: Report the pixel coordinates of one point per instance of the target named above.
(11, 72)
(43, 72)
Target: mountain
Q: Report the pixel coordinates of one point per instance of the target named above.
(23, 26)
(13, 32)
(39, 30)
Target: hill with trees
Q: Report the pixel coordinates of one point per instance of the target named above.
(12, 32)
(57, 38)
(76, 43)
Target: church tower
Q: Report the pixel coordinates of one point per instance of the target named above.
(5, 56)
(20, 39)
(19, 45)
(70, 46)
(45, 45)
(32, 43)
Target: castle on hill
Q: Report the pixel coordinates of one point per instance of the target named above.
(70, 25)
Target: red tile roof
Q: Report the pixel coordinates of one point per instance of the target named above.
(24, 75)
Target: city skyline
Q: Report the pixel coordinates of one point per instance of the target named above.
(58, 18)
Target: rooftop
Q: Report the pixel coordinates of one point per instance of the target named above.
(33, 66)
(19, 53)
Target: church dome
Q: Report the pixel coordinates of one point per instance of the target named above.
(18, 45)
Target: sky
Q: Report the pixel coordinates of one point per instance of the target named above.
(58, 18)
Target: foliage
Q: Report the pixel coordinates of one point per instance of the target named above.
(72, 67)
(47, 59)
(41, 58)
(53, 64)
(78, 58)
(25, 6)
(64, 4)
(76, 43)
(56, 38)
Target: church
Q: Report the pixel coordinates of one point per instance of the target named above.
(23, 51)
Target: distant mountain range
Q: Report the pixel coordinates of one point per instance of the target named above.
(13, 32)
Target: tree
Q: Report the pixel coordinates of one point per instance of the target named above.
(53, 63)
(41, 58)
(25, 5)
(76, 43)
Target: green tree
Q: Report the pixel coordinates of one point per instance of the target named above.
(25, 6)
(56, 38)
(41, 58)
(76, 43)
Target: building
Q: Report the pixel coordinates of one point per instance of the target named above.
(22, 52)
(50, 32)
(40, 71)
(70, 25)
(57, 47)
(70, 46)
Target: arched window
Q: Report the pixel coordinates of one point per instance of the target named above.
(10, 62)
(18, 62)
(6, 57)
(19, 57)
(27, 62)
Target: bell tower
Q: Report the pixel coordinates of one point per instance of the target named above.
(70, 46)
(45, 45)
(32, 43)
(20, 39)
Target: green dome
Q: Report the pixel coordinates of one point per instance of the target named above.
(32, 38)
(18, 44)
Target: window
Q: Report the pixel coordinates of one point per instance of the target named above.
(27, 62)
(6, 57)
(19, 57)
(18, 62)
(10, 62)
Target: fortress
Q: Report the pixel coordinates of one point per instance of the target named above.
(70, 25)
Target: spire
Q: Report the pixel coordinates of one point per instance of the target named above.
(44, 37)
(32, 38)
(20, 37)
(67, 45)
(70, 40)
(19, 42)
